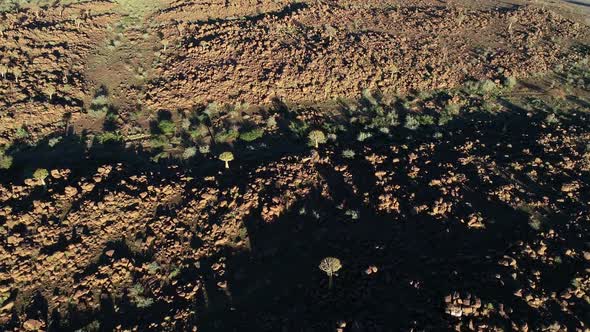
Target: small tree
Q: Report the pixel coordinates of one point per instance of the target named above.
(50, 91)
(17, 73)
(317, 137)
(226, 157)
(3, 71)
(330, 265)
(41, 174)
(165, 44)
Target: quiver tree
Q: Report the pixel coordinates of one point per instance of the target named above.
(317, 137)
(330, 265)
(50, 91)
(41, 174)
(226, 157)
(17, 73)
(3, 71)
(165, 43)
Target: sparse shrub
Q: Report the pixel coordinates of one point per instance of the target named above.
(490, 106)
(199, 132)
(189, 153)
(412, 122)
(453, 109)
(481, 88)
(22, 133)
(41, 174)
(204, 149)
(167, 127)
(382, 118)
(53, 141)
(161, 155)
(159, 141)
(330, 265)
(299, 128)
(227, 136)
(226, 157)
(174, 273)
(348, 154)
(212, 110)
(317, 137)
(510, 82)
(137, 297)
(425, 120)
(185, 124)
(5, 160)
(552, 119)
(535, 223)
(353, 214)
(109, 137)
(271, 123)
(153, 267)
(252, 135)
(363, 136)
(487, 87)
(99, 107)
(444, 118)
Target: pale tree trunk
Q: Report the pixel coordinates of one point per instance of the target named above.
(227, 164)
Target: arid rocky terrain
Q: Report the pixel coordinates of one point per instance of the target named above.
(179, 165)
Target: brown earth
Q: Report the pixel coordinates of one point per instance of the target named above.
(450, 205)
(321, 50)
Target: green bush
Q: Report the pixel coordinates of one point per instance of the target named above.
(425, 120)
(299, 128)
(159, 141)
(167, 127)
(412, 122)
(189, 153)
(136, 296)
(348, 154)
(363, 136)
(99, 107)
(252, 135)
(204, 149)
(5, 160)
(109, 137)
(227, 136)
(200, 132)
(510, 82)
(22, 133)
